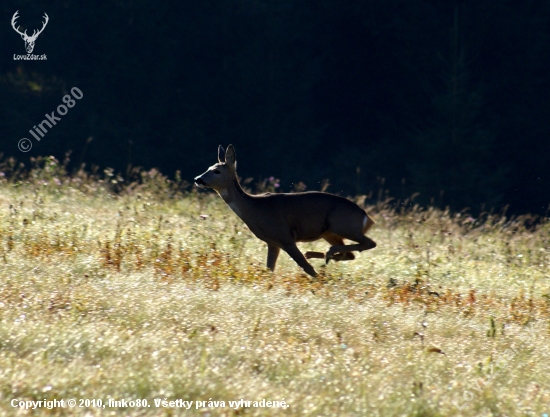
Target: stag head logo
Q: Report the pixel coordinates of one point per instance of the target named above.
(29, 40)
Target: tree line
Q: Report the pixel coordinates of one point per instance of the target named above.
(445, 99)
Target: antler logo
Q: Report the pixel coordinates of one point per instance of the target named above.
(29, 40)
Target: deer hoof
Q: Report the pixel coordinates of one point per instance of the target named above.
(310, 271)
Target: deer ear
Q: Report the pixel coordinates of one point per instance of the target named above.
(230, 157)
(221, 154)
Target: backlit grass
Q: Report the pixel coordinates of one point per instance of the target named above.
(156, 293)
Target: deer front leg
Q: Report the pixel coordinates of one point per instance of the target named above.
(272, 255)
(295, 254)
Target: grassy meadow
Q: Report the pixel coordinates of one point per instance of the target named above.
(144, 289)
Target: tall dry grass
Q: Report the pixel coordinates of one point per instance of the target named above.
(134, 288)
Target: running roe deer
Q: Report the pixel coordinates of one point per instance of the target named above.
(281, 220)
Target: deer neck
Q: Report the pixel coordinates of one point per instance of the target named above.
(235, 197)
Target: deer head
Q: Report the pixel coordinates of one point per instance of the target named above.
(29, 40)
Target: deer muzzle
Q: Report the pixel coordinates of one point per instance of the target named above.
(199, 182)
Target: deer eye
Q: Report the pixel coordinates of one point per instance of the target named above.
(217, 171)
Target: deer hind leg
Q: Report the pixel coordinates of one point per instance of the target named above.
(314, 255)
(334, 240)
(335, 251)
(337, 256)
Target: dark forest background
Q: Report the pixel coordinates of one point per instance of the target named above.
(450, 99)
